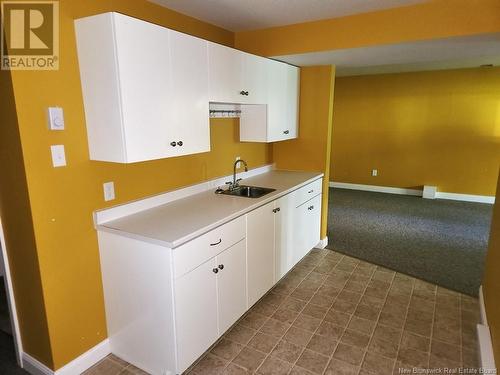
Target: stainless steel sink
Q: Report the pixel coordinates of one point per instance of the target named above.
(249, 191)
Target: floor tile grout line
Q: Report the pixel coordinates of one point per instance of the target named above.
(291, 325)
(404, 324)
(432, 332)
(377, 321)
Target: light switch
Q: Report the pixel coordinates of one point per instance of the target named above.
(58, 155)
(55, 118)
(109, 191)
(374, 172)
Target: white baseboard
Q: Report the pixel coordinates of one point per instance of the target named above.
(482, 308)
(34, 366)
(486, 356)
(466, 197)
(76, 366)
(378, 189)
(401, 191)
(322, 243)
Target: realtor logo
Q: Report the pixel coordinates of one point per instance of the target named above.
(30, 35)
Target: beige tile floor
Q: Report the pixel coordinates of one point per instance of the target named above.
(333, 314)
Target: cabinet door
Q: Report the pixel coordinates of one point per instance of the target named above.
(307, 219)
(144, 69)
(190, 93)
(231, 285)
(276, 101)
(260, 252)
(195, 313)
(292, 101)
(283, 240)
(254, 78)
(225, 74)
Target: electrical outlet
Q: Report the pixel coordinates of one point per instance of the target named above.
(237, 158)
(374, 172)
(109, 191)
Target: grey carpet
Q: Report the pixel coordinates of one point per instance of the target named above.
(440, 241)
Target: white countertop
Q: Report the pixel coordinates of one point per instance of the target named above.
(177, 222)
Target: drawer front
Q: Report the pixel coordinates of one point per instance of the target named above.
(307, 192)
(193, 253)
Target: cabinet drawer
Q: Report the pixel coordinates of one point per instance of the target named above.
(195, 252)
(307, 192)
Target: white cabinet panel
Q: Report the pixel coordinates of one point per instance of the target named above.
(284, 231)
(277, 120)
(196, 313)
(307, 219)
(260, 252)
(189, 102)
(225, 78)
(144, 73)
(231, 285)
(253, 80)
(145, 89)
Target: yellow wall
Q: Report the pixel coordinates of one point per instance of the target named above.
(491, 280)
(311, 151)
(15, 216)
(428, 20)
(437, 128)
(63, 199)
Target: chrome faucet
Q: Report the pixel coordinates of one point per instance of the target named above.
(235, 184)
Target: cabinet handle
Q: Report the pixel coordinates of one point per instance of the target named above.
(286, 132)
(310, 208)
(221, 266)
(173, 144)
(180, 143)
(215, 244)
(276, 210)
(215, 270)
(244, 93)
(310, 191)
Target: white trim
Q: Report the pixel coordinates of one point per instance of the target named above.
(76, 366)
(378, 189)
(11, 300)
(133, 207)
(34, 366)
(322, 243)
(486, 357)
(392, 190)
(482, 308)
(466, 197)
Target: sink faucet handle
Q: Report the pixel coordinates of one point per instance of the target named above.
(239, 179)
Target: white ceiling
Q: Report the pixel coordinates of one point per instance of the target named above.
(239, 15)
(450, 53)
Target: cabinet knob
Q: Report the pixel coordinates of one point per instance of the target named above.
(276, 210)
(221, 266)
(215, 270)
(180, 143)
(310, 207)
(311, 191)
(244, 93)
(286, 132)
(173, 144)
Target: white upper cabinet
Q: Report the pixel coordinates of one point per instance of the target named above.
(225, 78)
(278, 119)
(145, 89)
(235, 76)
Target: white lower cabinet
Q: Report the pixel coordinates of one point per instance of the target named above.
(196, 313)
(208, 300)
(307, 220)
(260, 251)
(165, 307)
